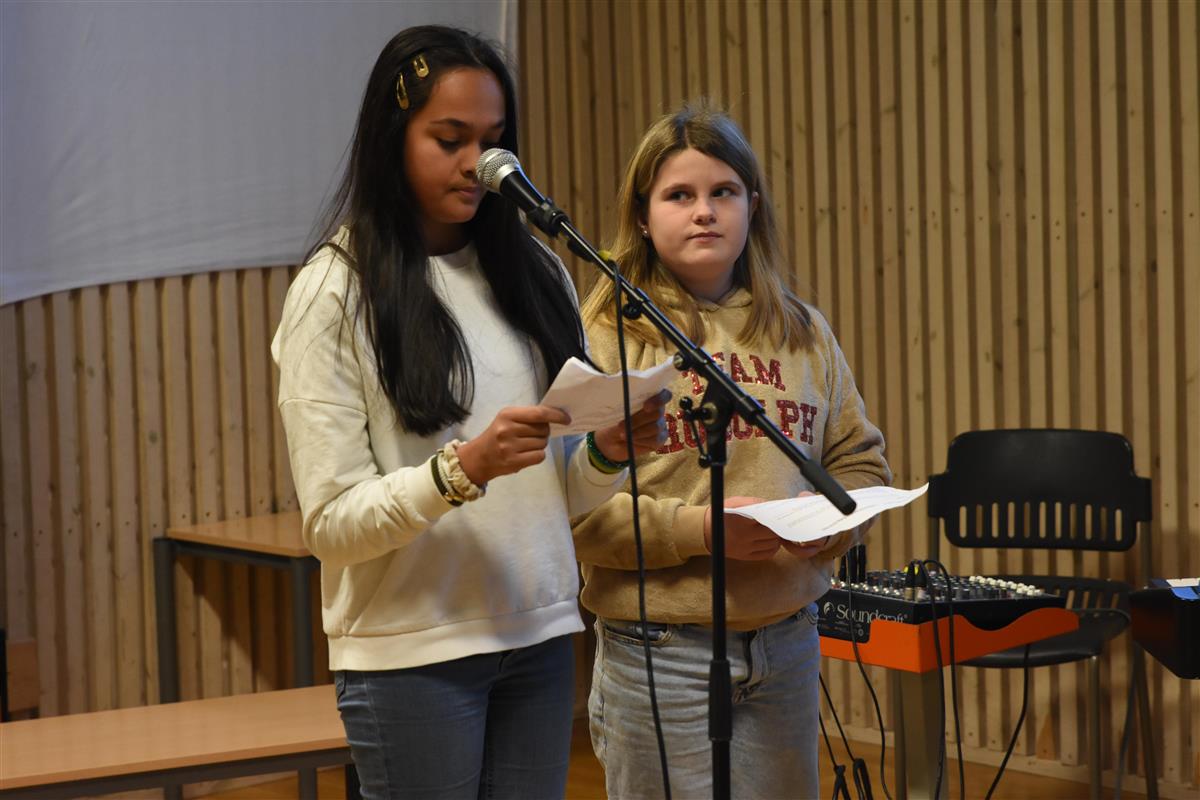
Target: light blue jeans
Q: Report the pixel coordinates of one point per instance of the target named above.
(773, 753)
(496, 725)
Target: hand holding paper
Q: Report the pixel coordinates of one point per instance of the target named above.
(804, 519)
(594, 399)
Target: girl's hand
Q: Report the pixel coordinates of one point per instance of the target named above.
(805, 550)
(516, 439)
(649, 430)
(745, 539)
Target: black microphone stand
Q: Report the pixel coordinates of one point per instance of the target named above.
(722, 399)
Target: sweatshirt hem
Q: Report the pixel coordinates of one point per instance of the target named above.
(455, 640)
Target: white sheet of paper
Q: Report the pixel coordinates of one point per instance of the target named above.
(594, 399)
(803, 519)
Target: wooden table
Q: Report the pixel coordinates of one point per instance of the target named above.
(165, 745)
(272, 540)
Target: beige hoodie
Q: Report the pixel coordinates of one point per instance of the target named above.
(811, 396)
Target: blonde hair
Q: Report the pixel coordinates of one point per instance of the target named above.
(776, 314)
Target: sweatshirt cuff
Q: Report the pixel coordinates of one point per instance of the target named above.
(688, 531)
(422, 493)
(597, 477)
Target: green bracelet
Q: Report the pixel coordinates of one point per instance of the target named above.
(601, 461)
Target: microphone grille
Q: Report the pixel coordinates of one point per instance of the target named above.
(488, 167)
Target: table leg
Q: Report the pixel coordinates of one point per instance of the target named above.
(353, 790)
(302, 642)
(302, 651)
(1140, 678)
(901, 747)
(164, 611)
(919, 729)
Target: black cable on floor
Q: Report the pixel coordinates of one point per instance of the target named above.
(1020, 719)
(840, 789)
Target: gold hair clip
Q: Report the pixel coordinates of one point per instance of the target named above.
(420, 66)
(401, 92)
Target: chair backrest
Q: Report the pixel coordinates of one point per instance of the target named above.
(1039, 488)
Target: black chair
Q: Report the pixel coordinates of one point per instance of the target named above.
(1056, 490)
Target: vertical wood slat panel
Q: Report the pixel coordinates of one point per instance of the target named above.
(1169, 339)
(69, 508)
(99, 431)
(1007, 274)
(260, 402)
(990, 141)
(1112, 263)
(122, 465)
(15, 469)
(1033, 253)
(206, 446)
(1062, 393)
(151, 453)
(48, 609)
(1189, 131)
(93, 402)
(181, 504)
(237, 661)
(1136, 218)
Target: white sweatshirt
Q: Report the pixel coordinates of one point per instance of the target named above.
(407, 579)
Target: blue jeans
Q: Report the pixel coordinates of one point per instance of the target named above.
(774, 670)
(496, 725)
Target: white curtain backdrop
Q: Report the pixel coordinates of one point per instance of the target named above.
(146, 138)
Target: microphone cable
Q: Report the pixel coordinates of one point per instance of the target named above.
(870, 688)
(840, 790)
(862, 776)
(1020, 720)
(637, 534)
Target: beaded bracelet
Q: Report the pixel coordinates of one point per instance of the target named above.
(601, 461)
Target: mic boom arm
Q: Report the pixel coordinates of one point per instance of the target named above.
(691, 356)
(499, 171)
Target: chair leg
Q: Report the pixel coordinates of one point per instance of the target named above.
(1147, 730)
(1093, 701)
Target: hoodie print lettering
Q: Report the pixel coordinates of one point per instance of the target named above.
(794, 419)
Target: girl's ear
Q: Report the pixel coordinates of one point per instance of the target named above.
(753, 203)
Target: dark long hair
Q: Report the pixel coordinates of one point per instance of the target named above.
(422, 358)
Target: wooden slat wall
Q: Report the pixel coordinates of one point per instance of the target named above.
(127, 409)
(997, 204)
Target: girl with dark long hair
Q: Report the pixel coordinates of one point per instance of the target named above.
(413, 348)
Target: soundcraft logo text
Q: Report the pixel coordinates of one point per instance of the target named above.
(841, 611)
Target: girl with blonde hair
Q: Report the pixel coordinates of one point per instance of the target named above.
(697, 232)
